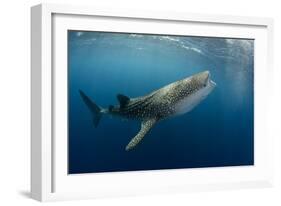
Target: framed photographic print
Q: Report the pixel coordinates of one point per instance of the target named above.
(135, 102)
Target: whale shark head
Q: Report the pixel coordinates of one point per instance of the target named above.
(203, 82)
(193, 90)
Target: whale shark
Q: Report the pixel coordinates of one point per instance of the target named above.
(174, 99)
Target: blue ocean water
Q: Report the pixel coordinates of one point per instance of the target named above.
(218, 132)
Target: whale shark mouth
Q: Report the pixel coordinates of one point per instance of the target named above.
(213, 83)
(209, 81)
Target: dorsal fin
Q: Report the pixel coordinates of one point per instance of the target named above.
(110, 108)
(123, 100)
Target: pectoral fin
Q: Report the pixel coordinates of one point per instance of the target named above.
(146, 125)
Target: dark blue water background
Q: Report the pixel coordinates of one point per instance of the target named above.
(218, 132)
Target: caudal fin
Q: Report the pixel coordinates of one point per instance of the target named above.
(95, 109)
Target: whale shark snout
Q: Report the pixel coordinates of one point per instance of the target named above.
(203, 78)
(208, 79)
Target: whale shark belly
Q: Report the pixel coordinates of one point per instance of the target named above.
(187, 104)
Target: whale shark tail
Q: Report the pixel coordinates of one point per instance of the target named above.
(93, 107)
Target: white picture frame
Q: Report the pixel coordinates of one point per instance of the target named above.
(49, 180)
